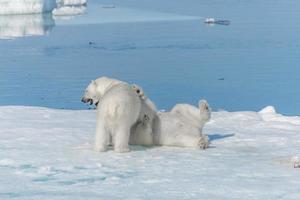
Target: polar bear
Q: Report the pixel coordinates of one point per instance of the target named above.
(119, 109)
(182, 126)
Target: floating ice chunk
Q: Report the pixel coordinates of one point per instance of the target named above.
(69, 10)
(26, 6)
(14, 26)
(210, 20)
(108, 6)
(216, 21)
(72, 2)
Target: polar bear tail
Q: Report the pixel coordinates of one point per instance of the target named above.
(205, 111)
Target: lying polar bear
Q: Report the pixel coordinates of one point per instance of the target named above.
(180, 127)
(119, 107)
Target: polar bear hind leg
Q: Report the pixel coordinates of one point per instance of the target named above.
(203, 142)
(102, 137)
(121, 139)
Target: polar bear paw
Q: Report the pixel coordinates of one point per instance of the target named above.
(203, 142)
(205, 111)
(100, 149)
(121, 149)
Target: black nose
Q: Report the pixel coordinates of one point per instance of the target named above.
(84, 100)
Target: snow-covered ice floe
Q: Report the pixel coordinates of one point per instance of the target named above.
(14, 26)
(9, 7)
(51, 153)
(69, 11)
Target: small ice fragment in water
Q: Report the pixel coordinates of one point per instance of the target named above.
(73, 2)
(69, 11)
(108, 6)
(210, 20)
(215, 21)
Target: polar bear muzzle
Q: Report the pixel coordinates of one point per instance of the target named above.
(87, 100)
(90, 101)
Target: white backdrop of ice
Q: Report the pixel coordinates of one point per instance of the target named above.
(47, 154)
(14, 26)
(26, 6)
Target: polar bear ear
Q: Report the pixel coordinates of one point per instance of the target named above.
(93, 82)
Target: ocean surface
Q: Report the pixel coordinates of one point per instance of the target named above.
(164, 46)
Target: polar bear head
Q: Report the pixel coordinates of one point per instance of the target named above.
(97, 88)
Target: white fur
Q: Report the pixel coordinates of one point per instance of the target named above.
(128, 116)
(142, 131)
(98, 90)
(183, 128)
(117, 112)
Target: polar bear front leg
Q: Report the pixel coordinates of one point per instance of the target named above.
(122, 135)
(101, 137)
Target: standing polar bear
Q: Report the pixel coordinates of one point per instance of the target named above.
(182, 126)
(119, 108)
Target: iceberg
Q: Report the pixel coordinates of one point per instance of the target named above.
(8, 7)
(15, 26)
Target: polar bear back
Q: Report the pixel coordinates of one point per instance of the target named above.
(175, 130)
(189, 112)
(119, 105)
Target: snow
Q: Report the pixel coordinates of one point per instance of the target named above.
(26, 6)
(47, 154)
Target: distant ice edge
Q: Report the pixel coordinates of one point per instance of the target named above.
(12, 7)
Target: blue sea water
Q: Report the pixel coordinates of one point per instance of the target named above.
(165, 47)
